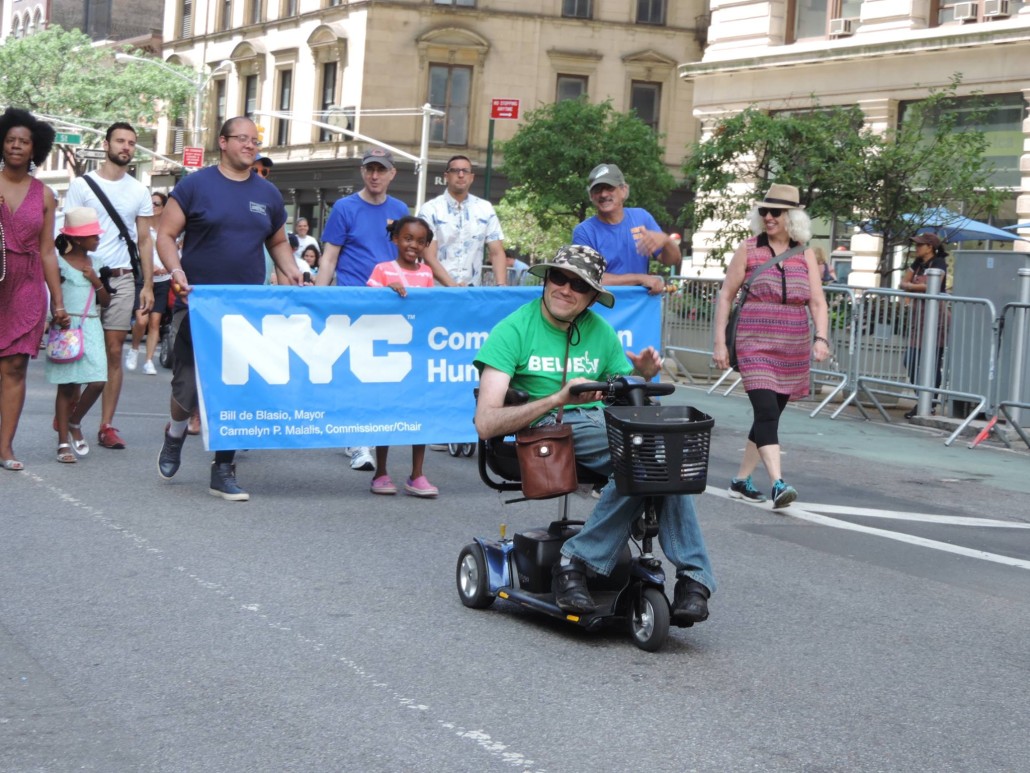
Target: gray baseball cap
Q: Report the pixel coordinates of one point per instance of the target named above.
(605, 174)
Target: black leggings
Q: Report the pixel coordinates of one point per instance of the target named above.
(767, 406)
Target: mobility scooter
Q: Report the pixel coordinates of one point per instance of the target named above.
(655, 450)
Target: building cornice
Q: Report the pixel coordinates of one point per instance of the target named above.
(853, 51)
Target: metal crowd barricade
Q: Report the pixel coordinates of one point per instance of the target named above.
(1013, 336)
(842, 308)
(687, 315)
(933, 344)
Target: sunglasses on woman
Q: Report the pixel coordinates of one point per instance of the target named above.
(775, 212)
(560, 279)
(262, 170)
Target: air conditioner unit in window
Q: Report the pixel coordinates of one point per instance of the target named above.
(996, 9)
(964, 12)
(842, 27)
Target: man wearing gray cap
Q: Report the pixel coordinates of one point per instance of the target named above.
(628, 237)
(526, 350)
(355, 240)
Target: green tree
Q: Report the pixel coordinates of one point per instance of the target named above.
(523, 232)
(935, 158)
(61, 74)
(550, 156)
(806, 149)
(893, 183)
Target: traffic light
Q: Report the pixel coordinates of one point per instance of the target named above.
(260, 135)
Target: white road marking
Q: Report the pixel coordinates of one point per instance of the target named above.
(807, 514)
(491, 746)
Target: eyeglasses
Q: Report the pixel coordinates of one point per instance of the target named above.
(244, 139)
(775, 212)
(262, 170)
(459, 172)
(579, 285)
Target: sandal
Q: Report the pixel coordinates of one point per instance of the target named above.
(64, 454)
(12, 464)
(81, 446)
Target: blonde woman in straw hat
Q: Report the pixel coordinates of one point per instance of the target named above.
(775, 343)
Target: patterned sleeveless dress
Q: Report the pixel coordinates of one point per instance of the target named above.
(773, 336)
(23, 296)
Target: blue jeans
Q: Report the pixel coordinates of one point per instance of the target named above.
(599, 543)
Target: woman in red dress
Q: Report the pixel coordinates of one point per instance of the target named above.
(776, 340)
(27, 260)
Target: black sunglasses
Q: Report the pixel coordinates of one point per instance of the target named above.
(577, 284)
(763, 211)
(262, 170)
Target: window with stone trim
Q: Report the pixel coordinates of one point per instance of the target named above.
(327, 98)
(254, 11)
(284, 104)
(288, 9)
(812, 18)
(465, 3)
(948, 11)
(577, 9)
(221, 108)
(186, 19)
(651, 12)
(571, 87)
(646, 99)
(450, 90)
(250, 96)
(225, 15)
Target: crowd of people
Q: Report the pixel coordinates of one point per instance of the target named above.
(124, 253)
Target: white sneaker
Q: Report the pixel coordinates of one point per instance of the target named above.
(361, 459)
(149, 369)
(131, 359)
(437, 446)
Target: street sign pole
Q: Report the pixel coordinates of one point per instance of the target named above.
(489, 159)
(504, 109)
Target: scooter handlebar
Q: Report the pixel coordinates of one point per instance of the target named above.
(632, 388)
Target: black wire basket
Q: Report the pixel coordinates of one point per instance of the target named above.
(659, 449)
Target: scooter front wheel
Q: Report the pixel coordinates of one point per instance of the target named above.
(649, 620)
(471, 576)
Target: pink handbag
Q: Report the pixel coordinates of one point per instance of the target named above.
(68, 344)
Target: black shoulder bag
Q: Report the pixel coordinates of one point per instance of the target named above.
(738, 304)
(130, 243)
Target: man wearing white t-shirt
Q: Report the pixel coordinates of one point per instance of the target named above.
(131, 200)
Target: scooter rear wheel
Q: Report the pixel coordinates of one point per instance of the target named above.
(471, 576)
(649, 620)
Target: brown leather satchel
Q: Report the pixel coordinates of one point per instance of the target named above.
(547, 456)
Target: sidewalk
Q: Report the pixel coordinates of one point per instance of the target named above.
(899, 445)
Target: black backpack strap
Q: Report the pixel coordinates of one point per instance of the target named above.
(130, 243)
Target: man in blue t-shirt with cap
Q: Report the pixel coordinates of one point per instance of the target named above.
(628, 237)
(355, 240)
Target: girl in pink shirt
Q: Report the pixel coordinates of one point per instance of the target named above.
(411, 235)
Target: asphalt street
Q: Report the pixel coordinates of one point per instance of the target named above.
(878, 624)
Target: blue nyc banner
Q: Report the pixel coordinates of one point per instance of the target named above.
(320, 367)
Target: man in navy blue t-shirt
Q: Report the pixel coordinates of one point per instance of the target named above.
(228, 217)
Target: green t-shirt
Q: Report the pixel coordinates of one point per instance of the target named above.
(529, 349)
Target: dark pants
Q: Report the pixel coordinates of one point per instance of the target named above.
(767, 406)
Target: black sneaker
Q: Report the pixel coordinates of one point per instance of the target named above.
(745, 489)
(783, 494)
(223, 483)
(689, 602)
(569, 584)
(171, 455)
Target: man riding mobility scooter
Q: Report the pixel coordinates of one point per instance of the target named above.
(657, 455)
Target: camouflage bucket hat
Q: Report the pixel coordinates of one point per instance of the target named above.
(585, 262)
